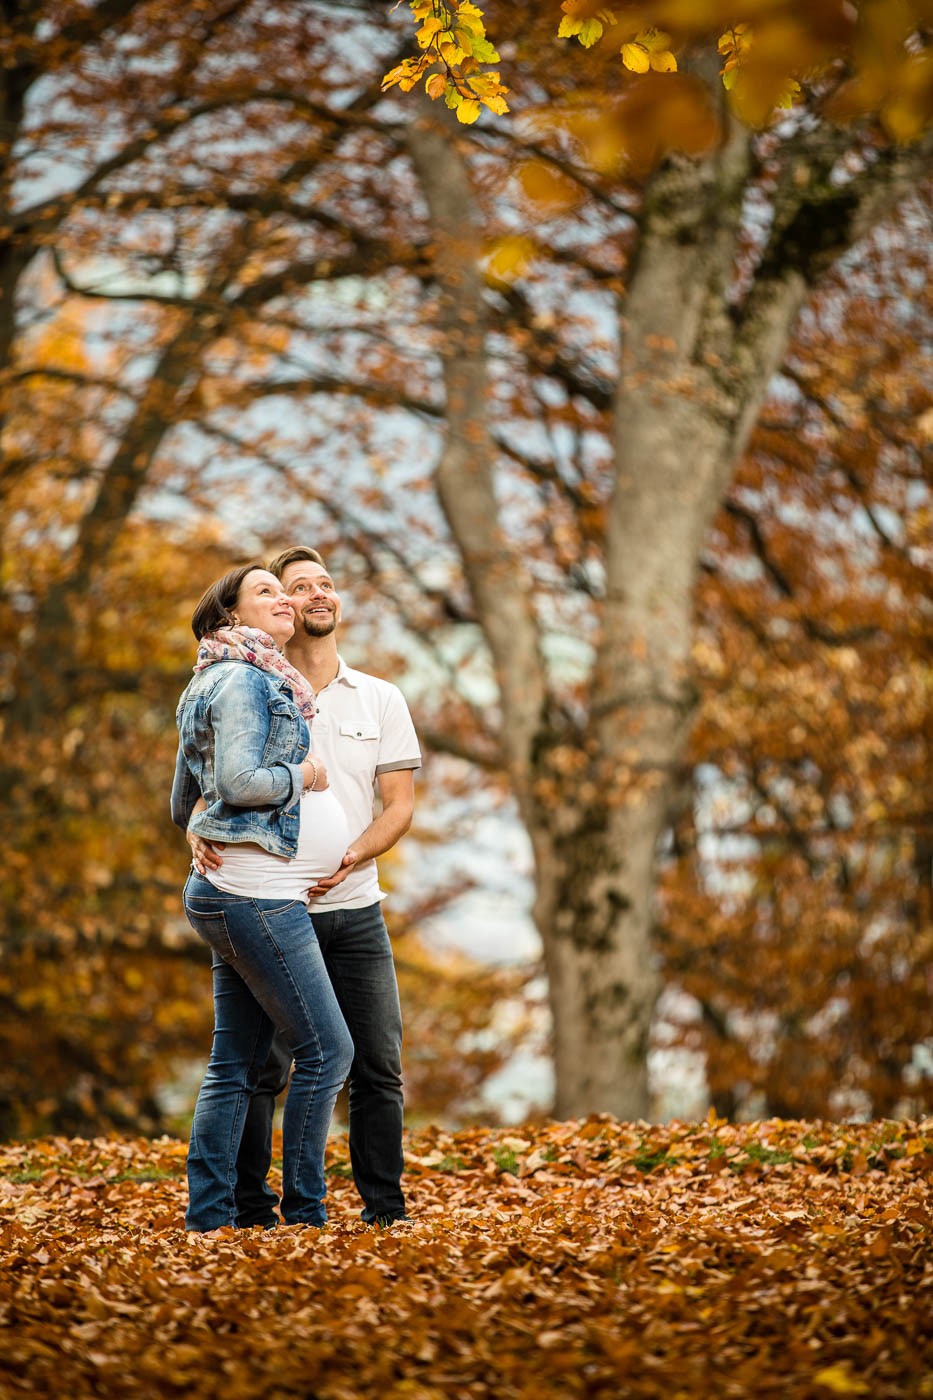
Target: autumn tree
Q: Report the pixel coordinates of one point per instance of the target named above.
(558, 328)
(795, 889)
(731, 230)
(141, 260)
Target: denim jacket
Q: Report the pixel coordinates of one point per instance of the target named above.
(242, 740)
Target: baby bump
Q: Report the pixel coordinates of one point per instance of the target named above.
(323, 835)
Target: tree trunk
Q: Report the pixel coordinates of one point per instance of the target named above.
(498, 579)
(592, 911)
(679, 430)
(595, 795)
(595, 798)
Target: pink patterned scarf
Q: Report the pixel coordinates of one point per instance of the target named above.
(257, 647)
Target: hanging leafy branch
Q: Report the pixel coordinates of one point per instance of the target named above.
(452, 39)
(878, 59)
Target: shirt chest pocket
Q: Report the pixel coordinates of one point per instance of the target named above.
(359, 744)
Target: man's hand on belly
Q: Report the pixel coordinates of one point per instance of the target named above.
(205, 855)
(338, 877)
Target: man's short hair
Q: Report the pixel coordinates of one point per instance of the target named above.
(299, 553)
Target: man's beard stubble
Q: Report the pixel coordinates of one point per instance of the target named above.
(319, 628)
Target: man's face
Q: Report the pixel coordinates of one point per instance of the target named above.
(312, 594)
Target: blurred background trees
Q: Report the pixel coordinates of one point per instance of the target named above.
(507, 378)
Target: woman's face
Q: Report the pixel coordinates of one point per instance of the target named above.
(262, 602)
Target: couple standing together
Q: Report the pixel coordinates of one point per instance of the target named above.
(277, 763)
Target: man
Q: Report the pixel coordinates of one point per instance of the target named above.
(364, 734)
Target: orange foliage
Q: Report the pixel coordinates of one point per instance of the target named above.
(586, 1258)
(797, 911)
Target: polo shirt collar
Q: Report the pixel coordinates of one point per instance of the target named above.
(346, 673)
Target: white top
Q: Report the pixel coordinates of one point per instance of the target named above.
(323, 837)
(362, 728)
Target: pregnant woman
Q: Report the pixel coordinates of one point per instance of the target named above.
(244, 770)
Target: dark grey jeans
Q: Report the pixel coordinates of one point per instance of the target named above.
(357, 954)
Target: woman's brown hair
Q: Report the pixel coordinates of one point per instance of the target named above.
(216, 607)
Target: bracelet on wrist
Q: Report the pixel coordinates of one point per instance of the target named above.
(309, 787)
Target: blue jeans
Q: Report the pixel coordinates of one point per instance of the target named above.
(358, 957)
(268, 973)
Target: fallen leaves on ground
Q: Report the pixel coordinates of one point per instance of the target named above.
(587, 1258)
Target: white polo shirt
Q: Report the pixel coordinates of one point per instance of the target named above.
(362, 728)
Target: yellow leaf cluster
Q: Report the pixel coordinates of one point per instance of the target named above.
(757, 73)
(454, 50)
(588, 29)
(649, 51)
(645, 50)
(734, 46)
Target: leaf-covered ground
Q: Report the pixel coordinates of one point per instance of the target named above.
(589, 1258)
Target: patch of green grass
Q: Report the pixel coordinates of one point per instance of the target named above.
(771, 1156)
(646, 1161)
(341, 1169)
(27, 1174)
(450, 1164)
(148, 1174)
(885, 1147)
(505, 1159)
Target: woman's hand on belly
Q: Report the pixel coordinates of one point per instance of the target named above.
(338, 877)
